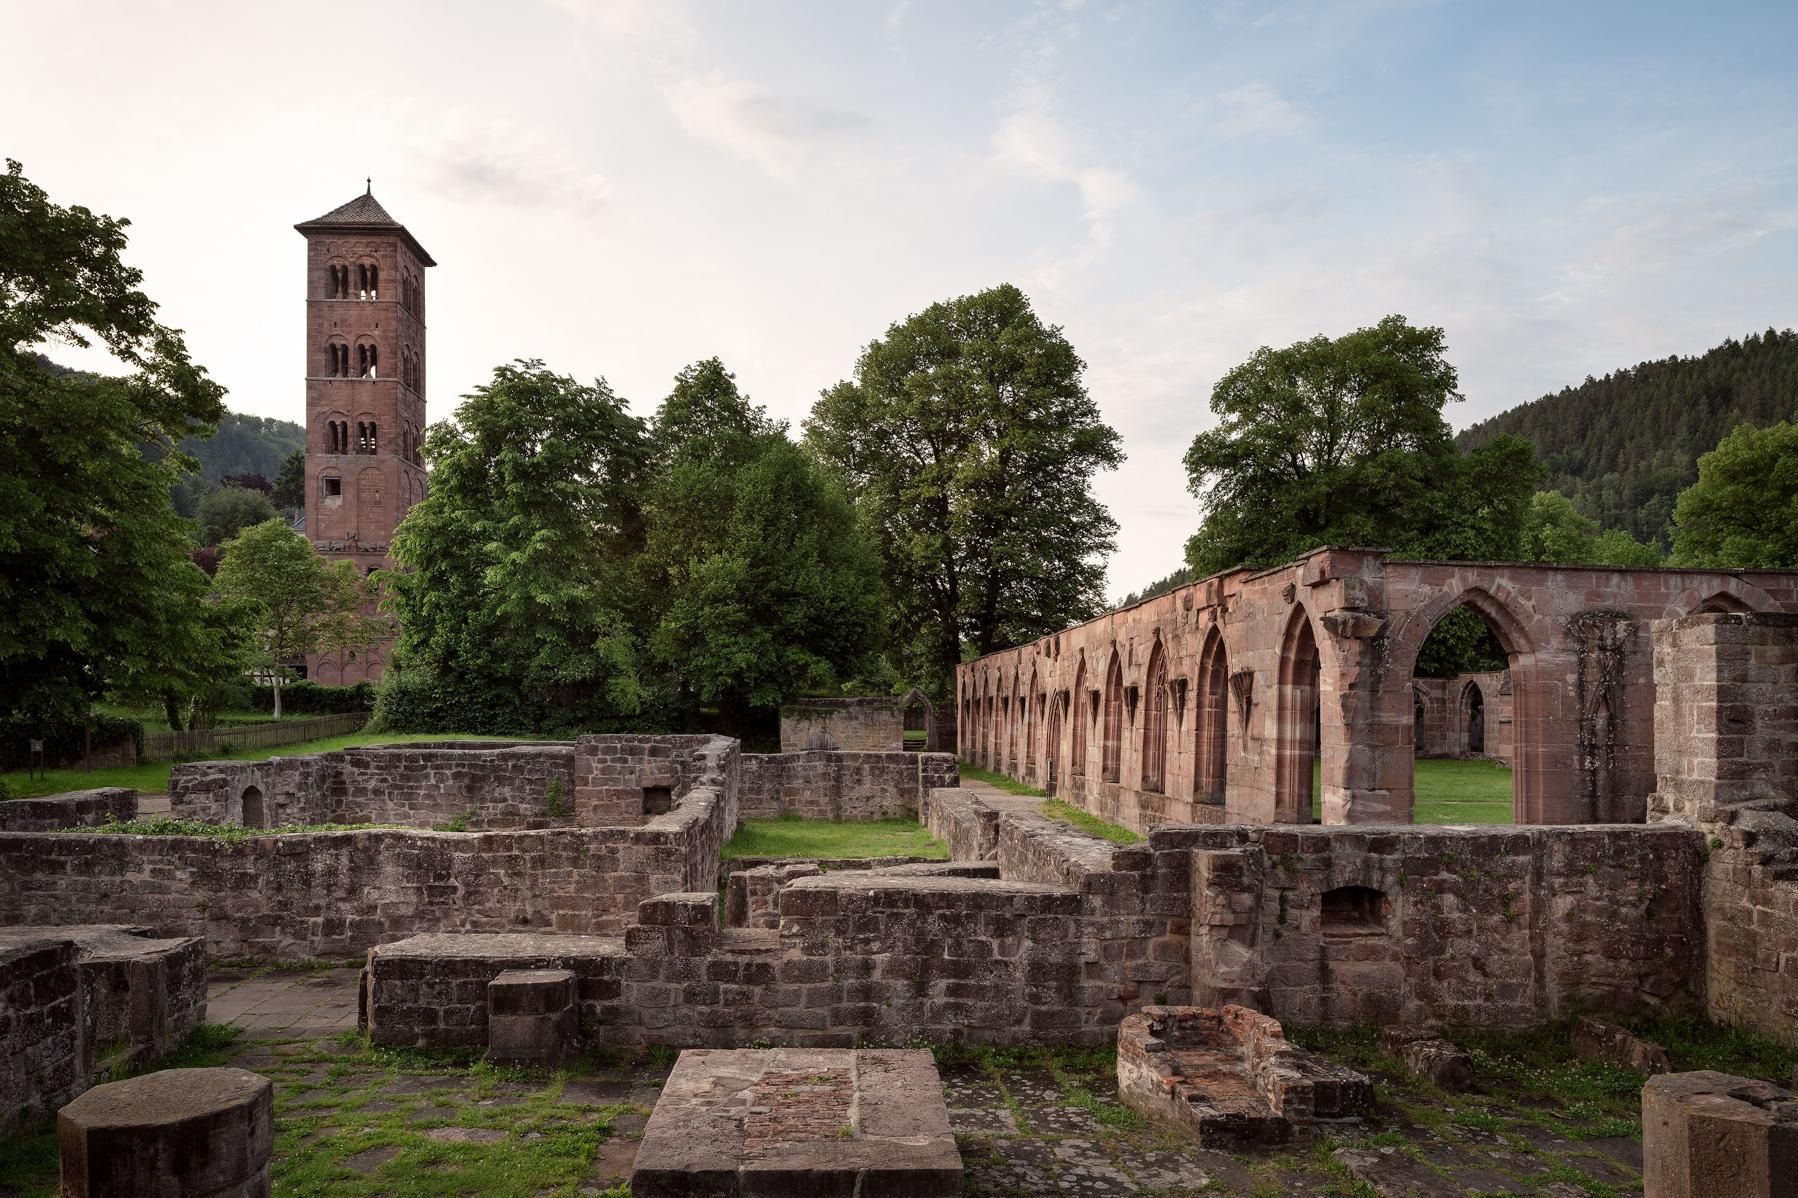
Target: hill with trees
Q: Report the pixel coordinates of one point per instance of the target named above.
(1624, 446)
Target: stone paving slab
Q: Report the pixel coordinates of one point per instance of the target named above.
(799, 1121)
(287, 1003)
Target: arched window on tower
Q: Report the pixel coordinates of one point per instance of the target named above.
(366, 360)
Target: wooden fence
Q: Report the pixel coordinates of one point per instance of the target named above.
(232, 739)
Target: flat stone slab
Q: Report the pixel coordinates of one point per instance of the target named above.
(799, 1123)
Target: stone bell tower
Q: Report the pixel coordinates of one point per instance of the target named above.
(365, 395)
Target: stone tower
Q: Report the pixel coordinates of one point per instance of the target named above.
(365, 394)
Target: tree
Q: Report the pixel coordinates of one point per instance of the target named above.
(290, 484)
(1555, 531)
(295, 601)
(765, 587)
(227, 510)
(96, 587)
(1742, 513)
(1343, 442)
(968, 443)
(516, 598)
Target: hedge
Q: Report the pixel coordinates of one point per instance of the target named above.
(65, 741)
(309, 698)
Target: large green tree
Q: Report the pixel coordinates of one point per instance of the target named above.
(297, 603)
(1742, 513)
(1342, 441)
(97, 590)
(290, 483)
(763, 585)
(1555, 531)
(515, 597)
(227, 510)
(969, 444)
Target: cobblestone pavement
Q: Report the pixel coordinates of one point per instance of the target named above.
(1029, 1123)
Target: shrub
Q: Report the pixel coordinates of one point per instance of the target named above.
(64, 741)
(309, 698)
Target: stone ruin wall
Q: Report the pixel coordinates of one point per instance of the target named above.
(1581, 676)
(336, 894)
(1726, 721)
(1052, 936)
(75, 809)
(842, 786)
(80, 1002)
(865, 725)
(1445, 721)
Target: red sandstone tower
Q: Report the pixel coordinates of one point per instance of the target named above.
(365, 395)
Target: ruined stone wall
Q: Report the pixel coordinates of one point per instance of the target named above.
(421, 786)
(1448, 715)
(865, 725)
(75, 809)
(335, 894)
(77, 1003)
(1501, 927)
(849, 786)
(1247, 657)
(1726, 740)
(967, 826)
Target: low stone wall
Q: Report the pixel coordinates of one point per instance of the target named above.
(845, 786)
(421, 786)
(1499, 927)
(862, 725)
(969, 827)
(79, 1002)
(336, 894)
(75, 809)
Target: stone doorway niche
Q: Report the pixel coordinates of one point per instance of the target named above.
(254, 810)
(1473, 719)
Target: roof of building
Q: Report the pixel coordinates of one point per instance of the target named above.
(363, 213)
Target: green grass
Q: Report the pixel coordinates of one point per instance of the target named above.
(1449, 791)
(155, 719)
(827, 839)
(1001, 782)
(167, 826)
(1088, 822)
(153, 777)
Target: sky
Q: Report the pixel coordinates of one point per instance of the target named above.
(623, 188)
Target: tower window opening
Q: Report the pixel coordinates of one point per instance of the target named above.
(333, 487)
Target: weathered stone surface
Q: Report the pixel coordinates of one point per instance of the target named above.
(1430, 1057)
(75, 809)
(1393, 1173)
(1596, 1040)
(180, 1133)
(794, 1123)
(1230, 1078)
(532, 1018)
(433, 989)
(76, 1002)
(842, 786)
(1710, 1135)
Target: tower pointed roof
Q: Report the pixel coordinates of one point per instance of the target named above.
(361, 215)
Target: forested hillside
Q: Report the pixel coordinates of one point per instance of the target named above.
(1624, 446)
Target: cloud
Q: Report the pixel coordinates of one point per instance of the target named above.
(779, 133)
(497, 161)
(1254, 110)
(1032, 138)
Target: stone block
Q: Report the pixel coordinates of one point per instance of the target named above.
(774, 1123)
(1711, 1135)
(1596, 1040)
(1430, 1057)
(532, 1018)
(180, 1133)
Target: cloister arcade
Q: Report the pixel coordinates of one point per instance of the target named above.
(1221, 700)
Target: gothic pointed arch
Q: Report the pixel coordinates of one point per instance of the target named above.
(1297, 712)
(1111, 749)
(1211, 726)
(1156, 701)
(1081, 716)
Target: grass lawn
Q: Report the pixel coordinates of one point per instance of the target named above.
(1086, 821)
(155, 719)
(1451, 791)
(1009, 785)
(827, 839)
(153, 777)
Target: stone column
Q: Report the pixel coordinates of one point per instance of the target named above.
(1711, 1135)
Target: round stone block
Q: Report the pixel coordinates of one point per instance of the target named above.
(181, 1133)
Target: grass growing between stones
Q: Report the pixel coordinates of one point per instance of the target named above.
(790, 836)
(1010, 786)
(168, 826)
(153, 777)
(1086, 821)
